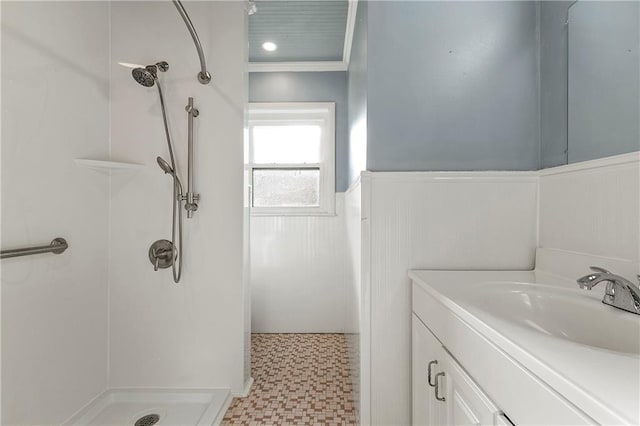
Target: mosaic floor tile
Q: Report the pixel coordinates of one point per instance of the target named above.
(299, 379)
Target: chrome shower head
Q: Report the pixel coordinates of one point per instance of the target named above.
(145, 76)
(164, 166)
(148, 75)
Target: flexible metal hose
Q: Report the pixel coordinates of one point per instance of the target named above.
(177, 201)
(177, 197)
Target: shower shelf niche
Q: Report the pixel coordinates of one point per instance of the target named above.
(104, 165)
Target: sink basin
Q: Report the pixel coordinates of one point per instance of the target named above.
(562, 313)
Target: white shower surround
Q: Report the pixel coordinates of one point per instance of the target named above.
(191, 334)
(55, 107)
(98, 317)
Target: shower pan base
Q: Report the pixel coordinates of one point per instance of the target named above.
(173, 407)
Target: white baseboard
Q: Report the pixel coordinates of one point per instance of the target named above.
(245, 391)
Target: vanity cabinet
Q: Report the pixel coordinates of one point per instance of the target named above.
(482, 375)
(443, 393)
(426, 363)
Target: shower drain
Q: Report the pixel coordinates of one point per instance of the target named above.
(148, 420)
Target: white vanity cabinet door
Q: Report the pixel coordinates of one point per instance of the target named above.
(425, 349)
(466, 403)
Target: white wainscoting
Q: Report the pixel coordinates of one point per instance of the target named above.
(430, 220)
(299, 273)
(483, 220)
(593, 208)
(353, 310)
(393, 222)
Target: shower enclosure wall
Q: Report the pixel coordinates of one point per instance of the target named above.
(97, 316)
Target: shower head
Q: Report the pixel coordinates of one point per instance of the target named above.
(144, 76)
(148, 75)
(164, 166)
(169, 170)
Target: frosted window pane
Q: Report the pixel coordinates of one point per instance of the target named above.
(286, 187)
(286, 144)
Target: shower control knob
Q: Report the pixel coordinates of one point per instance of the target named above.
(162, 254)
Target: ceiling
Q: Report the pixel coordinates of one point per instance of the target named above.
(304, 31)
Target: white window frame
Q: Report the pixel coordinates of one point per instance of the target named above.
(322, 113)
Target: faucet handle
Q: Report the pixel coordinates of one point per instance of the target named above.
(599, 269)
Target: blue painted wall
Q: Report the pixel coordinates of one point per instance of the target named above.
(445, 86)
(357, 86)
(604, 79)
(553, 83)
(596, 54)
(452, 86)
(310, 87)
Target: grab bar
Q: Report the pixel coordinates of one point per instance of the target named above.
(57, 246)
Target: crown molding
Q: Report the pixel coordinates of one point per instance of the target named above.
(348, 34)
(297, 66)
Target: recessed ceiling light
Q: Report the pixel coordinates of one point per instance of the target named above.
(269, 46)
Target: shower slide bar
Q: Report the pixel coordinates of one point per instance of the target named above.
(191, 198)
(57, 246)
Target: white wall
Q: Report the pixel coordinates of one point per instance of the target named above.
(429, 220)
(190, 334)
(299, 273)
(55, 94)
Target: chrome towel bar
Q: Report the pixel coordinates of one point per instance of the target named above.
(57, 246)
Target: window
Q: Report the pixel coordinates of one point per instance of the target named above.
(291, 157)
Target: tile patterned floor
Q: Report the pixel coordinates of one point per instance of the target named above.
(300, 379)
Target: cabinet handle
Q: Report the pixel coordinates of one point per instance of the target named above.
(438, 386)
(434, 362)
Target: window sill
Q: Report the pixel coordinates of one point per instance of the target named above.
(293, 213)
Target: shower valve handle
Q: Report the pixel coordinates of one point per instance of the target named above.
(161, 254)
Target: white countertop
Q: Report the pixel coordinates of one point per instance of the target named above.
(604, 384)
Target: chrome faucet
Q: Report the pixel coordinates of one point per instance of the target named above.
(620, 292)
